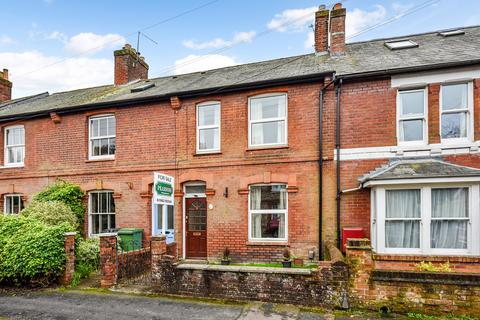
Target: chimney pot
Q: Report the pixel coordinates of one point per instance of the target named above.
(337, 29)
(129, 65)
(321, 30)
(5, 74)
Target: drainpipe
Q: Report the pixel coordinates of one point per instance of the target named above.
(320, 169)
(337, 147)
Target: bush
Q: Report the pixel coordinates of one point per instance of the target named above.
(68, 193)
(52, 213)
(30, 251)
(87, 258)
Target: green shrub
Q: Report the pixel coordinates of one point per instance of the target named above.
(87, 258)
(30, 251)
(52, 213)
(68, 193)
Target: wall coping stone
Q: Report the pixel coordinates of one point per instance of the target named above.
(212, 267)
(110, 234)
(73, 233)
(440, 278)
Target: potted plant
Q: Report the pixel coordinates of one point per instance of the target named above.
(287, 259)
(226, 257)
(298, 262)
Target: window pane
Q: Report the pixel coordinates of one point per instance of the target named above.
(449, 234)
(195, 189)
(112, 221)
(454, 97)
(208, 139)
(209, 115)
(94, 128)
(94, 202)
(450, 202)
(111, 146)
(411, 130)
(96, 147)
(111, 126)
(103, 124)
(403, 203)
(454, 125)
(268, 197)
(267, 107)
(111, 202)
(11, 155)
(103, 147)
(402, 234)
(8, 204)
(104, 223)
(95, 223)
(268, 133)
(170, 217)
(268, 226)
(412, 102)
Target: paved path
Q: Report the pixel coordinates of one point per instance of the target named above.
(80, 305)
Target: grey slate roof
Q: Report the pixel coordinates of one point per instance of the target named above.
(360, 58)
(420, 168)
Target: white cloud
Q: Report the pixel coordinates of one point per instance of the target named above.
(293, 19)
(400, 8)
(91, 43)
(194, 63)
(310, 41)
(5, 40)
(56, 35)
(73, 73)
(359, 19)
(239, 37)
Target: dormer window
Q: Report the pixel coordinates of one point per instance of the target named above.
(400, 44)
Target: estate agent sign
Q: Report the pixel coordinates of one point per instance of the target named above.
(163, 189)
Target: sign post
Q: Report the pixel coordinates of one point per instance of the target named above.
(164, 187)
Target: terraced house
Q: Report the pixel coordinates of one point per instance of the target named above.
(376, 139)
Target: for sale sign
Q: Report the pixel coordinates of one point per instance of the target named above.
(163, 188)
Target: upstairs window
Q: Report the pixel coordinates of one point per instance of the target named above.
(12, 204)
(208, 127)
(14, 146)
(268, 212)
(456, 105)
(267, 120)
(412, 117)
(101, 210)
(102, 133)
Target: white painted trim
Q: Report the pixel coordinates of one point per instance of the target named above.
(11, 195)
(215, 126)
(90, 214)
(90, 138)
(423, 117)
(184, 212)
(403, 182)
(285, 119)
(6, 163)
(437, 76)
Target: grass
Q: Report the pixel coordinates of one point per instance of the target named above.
(413, 315)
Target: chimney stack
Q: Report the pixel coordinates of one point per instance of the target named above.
(337, 29)
(321, 30)
(5, 86)
(129, 65)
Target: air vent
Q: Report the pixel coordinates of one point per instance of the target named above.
(451, 33)
(143, 87)
(400, 44)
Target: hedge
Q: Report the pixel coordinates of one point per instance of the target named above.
(51, 213)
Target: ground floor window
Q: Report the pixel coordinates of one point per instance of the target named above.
(101, 208)
(426, 219)
(268, 213)
(12, 204)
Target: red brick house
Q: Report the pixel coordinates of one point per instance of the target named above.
(256, 149)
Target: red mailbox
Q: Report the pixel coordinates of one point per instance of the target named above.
(351, 232)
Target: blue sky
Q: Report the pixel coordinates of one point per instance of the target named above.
(55, 45)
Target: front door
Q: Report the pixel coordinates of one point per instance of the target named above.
(196, 222)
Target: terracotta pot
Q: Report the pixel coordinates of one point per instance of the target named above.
(298, 262)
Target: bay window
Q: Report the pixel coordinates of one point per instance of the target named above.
(102, 136)
(208, 127)
(456, 112)
(427, 219)
(101, 211)
(268, 213)
(14, 146)
(12, 203)
(412, 115)
(267, 120)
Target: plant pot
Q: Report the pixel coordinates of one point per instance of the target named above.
(287, 264)
(225, 262)
(298, 262)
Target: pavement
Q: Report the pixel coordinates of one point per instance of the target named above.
(56, 304)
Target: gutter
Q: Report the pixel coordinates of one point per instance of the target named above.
(166, 97)
(320, 168)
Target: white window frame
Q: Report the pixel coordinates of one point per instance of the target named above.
(91, 139)
(423, 117)
(468, 112)
(379, 210)
(252, 122)
(91, 214)
(7, 147)
(12, 195)
(214, 126)
(267, 211)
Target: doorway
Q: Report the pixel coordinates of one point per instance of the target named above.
(195, 221)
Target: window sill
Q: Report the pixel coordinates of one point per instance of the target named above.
(268, 243)
(12, 166)
(283, 146)
(99, 160)
(212, 153)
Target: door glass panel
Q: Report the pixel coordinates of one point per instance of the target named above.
(197, 216)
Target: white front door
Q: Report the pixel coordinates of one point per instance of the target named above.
(163, 214)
